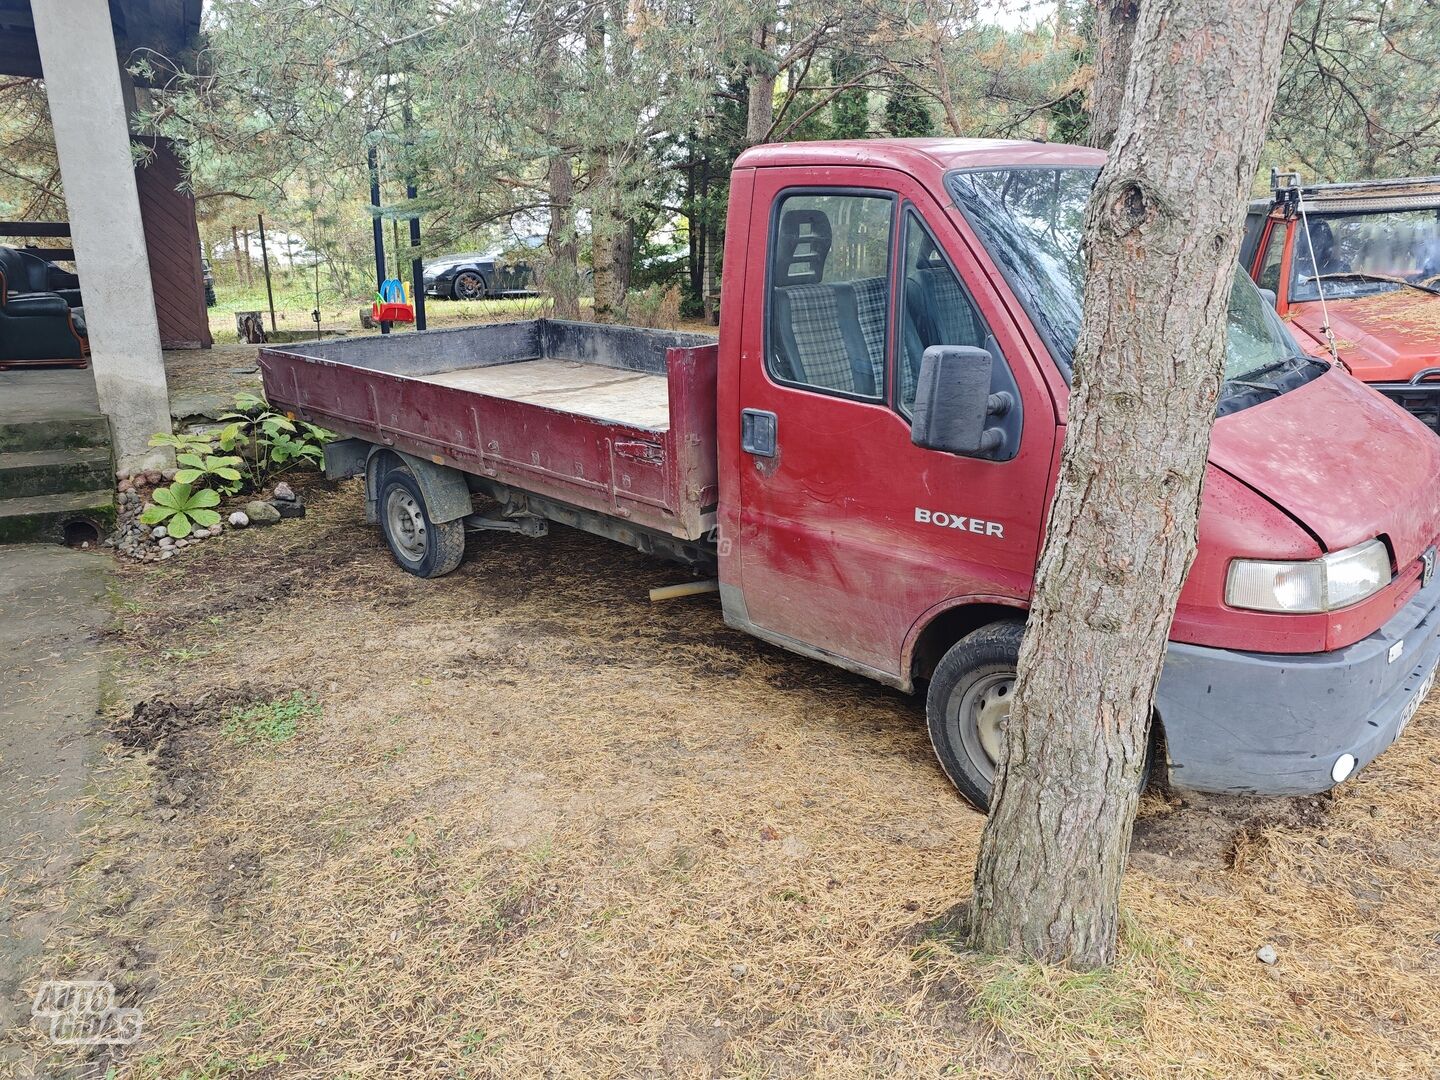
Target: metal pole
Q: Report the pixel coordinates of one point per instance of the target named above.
(265, 255)
(370, 157)
(417, 266)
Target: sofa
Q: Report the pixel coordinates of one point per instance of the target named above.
(42, 319)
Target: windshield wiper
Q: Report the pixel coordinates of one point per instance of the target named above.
(1361, 275)
(1276, 367)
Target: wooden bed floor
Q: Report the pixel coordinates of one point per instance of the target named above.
(628, 397)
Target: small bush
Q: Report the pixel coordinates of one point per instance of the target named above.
(273, 722)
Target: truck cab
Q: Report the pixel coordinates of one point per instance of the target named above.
(866, 459)
(854, 538)
(1363, 258)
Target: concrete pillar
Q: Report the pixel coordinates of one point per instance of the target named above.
(92, 138)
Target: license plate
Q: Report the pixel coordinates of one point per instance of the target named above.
(1413, 705)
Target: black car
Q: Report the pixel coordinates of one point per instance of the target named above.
(476, 275)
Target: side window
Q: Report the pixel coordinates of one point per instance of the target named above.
(829, 301)
(1269, 277)
(935, 308)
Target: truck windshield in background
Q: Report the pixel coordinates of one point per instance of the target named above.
(1032, 221)
(1363, 254)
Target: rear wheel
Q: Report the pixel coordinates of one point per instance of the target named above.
(968, 706)
(422, 547)
(468, 285)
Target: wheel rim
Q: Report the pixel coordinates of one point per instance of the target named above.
(469, 286)
(978, 717)
(406, 524)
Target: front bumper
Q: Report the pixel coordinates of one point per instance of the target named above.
(1270, 724)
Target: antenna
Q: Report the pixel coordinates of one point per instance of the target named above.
(1290, 195)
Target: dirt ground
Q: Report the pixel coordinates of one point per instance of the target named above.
(519, 822)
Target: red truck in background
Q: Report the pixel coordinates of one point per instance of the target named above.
(867, 455)
(1366, 257)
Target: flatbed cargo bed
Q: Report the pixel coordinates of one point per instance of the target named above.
(613, 419)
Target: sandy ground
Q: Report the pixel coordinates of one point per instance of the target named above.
(519, 822)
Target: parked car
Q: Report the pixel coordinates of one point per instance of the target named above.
(478, 275)
(875, 496)
(1372, 253)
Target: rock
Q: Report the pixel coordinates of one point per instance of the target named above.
(290, 509)
(738, 970)
(154, 476)
(167, 552)
(182, 543)
(167, 541)
(284, 492)
(159, 532)
(125, 486)
(1266, 954)
(168, 474)
(261, 513)
(239, 519)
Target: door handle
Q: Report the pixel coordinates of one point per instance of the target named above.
(758, 432)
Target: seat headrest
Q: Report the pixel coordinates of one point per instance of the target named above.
(803, 247)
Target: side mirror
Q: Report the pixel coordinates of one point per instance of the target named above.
(953, 403)
(1270, 296)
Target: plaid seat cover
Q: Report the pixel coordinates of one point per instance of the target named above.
(872, 304)
(814, 314)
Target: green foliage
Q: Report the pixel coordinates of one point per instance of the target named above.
(906, 114)
(850, 111)
(185, 443)
(273, 722)
(179, 507)
(210, 471)
(266, 442)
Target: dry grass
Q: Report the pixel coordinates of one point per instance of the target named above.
(537, 827)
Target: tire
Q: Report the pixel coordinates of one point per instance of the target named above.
(977, 677)
(419, 545)
(469, 285)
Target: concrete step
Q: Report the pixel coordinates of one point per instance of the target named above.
(64, 517)
(47, 472)
(53, 433)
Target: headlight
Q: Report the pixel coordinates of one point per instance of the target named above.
(1333, 581)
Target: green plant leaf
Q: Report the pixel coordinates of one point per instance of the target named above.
(203, 517)
(187, 476)
(227, 473)
(153, 515)
(193, 460)
(203, 497)
(174, 496)
(179, 526)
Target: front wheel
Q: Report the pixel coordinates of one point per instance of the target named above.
(968, 705)
(422, 547)
(468, 285)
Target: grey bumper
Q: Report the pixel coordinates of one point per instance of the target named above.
(1266, 724)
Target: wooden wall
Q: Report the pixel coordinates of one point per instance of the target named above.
(172, 240)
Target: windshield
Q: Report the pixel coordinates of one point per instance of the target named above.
(1032, 220)
(1362, 254)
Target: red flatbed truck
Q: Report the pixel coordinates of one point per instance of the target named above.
(867, 456)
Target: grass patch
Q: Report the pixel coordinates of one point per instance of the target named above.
(273, 722)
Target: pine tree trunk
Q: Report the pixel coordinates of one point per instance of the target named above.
(564, 276)
(760, 86)
(1114, 32)
(1162, 234)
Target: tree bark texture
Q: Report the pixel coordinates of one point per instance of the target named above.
(760, 84)
(1114, 32)
(1162, 234)
(560, 242)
